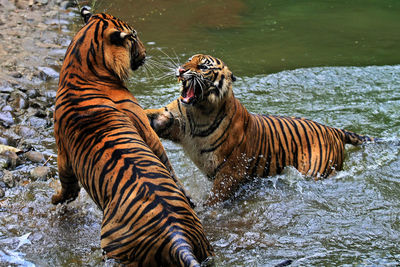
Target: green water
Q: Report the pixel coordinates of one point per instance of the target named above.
(265, 36)
(336, 62)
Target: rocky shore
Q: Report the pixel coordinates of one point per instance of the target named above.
(33, 40)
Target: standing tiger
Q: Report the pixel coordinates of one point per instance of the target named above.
(106, 144)
(231, 145)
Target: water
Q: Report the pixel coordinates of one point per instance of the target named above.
(351, 218)
(335, 62)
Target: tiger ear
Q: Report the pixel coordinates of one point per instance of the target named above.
(117, 37)
(85, 13)
(233, 77)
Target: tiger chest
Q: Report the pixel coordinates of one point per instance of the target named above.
(196, 149)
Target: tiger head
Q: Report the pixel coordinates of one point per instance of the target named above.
(205, 79)
(107, 46)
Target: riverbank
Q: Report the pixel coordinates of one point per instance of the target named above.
(33, 232)
(33, 40)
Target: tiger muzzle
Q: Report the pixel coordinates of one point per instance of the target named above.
(138, 55)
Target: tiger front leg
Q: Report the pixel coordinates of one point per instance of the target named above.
(159, 119)
(167, 122)
(69, 184)
(166, 125)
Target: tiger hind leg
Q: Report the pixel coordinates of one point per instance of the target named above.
(69, 192)
(69, 183)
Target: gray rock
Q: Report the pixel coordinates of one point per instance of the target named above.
(8, 179)
(25, 131)
(2, 193)
(37, 103)
(21, 102)
(6, 89)
(7, 108)
(50, 94)
(40, 113)
(11, 159)
(40, 173)
(18, 100)
(3, 141)
(67, 4)
(48, 73)
(34, 156)
(3, 162)
(31, 93)
(16, 74)
(37, 122)
(6, 119)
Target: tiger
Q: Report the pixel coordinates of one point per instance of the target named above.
(106, 145)
(230, 145)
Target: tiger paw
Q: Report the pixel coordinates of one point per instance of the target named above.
(65, 195)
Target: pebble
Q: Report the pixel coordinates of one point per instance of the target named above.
(6, 89)
(40, 113)
(67, 4)
(18, 100)
(21, 102)
(11, 158)
(32, 93)
(37, 122)
(34, 156)
(51, 94)
(26, 104)
(3, 162)
(6, 119)
(3, 141)
(40, 173)
(26, 131)
(38, 103)
(2, 193)
(48, 73)
(7, 108)
(8, 179)
(16, 74)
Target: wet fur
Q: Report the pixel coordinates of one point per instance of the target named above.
(106, 144)
(230, 145)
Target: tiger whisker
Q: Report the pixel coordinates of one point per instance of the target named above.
(176, 57)
(157, 64)
(201, 83)
(145, 70)
(176, 64)
(150, 68)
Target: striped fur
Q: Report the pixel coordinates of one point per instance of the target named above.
(231, 145)
(106, 144)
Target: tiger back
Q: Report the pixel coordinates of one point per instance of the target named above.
(106, 144)
(230, 145)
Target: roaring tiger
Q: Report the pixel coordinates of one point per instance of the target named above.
(230, 145)
(106, 144)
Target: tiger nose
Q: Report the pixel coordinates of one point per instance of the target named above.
(180, 71)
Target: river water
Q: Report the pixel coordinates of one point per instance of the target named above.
(335, 62)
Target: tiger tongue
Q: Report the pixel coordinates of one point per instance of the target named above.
(189, 95)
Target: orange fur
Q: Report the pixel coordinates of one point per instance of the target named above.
(230, 145)
(106, 144)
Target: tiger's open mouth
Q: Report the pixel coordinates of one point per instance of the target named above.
(194, 88)
(191, 92)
